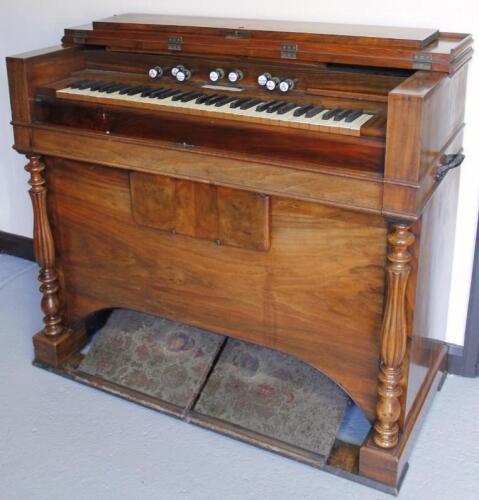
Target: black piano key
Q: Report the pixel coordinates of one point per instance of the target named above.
(274, 107)
(342, 114)
(105, 87)
(108, 87)
(250, 103)
(315, 110)
(87, 84)
(204, 98)
(239, 102)
(178, 97)
(265, 105)
(90, 84)
(159, 92)
(79, 84)
(287, 107)
(226, 100)
(127, 89)
(116, 88)
(138, 90)
(170, 93)
(74, 85)
(354, 115)
(303, 110)
(212, 100)
(99, 85)
(150, 91)
(331, 113)
(194, 95)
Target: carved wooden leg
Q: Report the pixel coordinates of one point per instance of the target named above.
(44, 250)
(393, 338)
(53, 344)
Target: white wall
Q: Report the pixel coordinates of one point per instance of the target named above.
(29, 24)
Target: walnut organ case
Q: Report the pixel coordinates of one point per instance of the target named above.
(267, 181)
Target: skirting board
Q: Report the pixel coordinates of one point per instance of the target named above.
(461, 362)
(16, 245)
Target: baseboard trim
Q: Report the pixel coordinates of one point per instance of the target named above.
(19, 246)
(465, 360)
(458, 363)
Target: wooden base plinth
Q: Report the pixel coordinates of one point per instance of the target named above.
(368, 465)
(56, 351)
(389, 466)
(342, 462)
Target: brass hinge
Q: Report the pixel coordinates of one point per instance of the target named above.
(422, 61)
(237, 35)
(289, 51)
(175, 42)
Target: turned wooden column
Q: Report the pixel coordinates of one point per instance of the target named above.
(44, 250)
(393, 337)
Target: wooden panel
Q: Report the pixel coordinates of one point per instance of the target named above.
(226, 216)
(152, 200)
(27, 71)
(316, 294)
(302, 149)
(433, 107)
(389, 466)
(196, 210)
(243, 219)
(315, 42)
(358, 192)
(19, 102)
(434, 265)
(314, 79)
(386, 35)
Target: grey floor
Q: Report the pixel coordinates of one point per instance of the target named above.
(61, 440)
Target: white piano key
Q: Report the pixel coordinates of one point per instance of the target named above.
(360, 121)
(316, 122)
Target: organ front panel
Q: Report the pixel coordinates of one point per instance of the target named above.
(263, 180)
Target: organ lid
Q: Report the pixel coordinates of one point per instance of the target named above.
(408, 48)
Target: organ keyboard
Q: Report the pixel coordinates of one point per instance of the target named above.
(270, 111)
(276, 182)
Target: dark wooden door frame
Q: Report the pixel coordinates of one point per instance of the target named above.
(465, 360)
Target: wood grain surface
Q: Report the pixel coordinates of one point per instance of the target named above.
(324, 269)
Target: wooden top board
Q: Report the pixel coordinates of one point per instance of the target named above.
(309, 42)
(313, 31)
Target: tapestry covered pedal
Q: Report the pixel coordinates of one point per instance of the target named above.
(164, 359)
(273, 395)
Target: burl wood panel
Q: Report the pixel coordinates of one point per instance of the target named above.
(244, 219)
(316, 294)
(196, 213)
(226, 216)
(153, 200)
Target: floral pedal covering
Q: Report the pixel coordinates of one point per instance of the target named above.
(274, 395)
(155, 356)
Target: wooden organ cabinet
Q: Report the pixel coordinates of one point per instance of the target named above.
(266, 181)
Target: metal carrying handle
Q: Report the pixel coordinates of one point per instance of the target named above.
(448, 162)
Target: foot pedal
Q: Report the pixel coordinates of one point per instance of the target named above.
(162, 359)
(272, 400)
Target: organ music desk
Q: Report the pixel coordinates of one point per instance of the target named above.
(267, 181)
